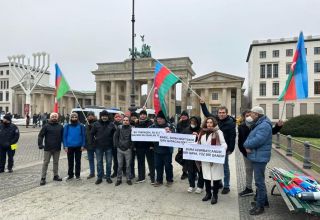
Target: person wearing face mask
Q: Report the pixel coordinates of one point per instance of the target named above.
(258, 146)
(102, 137)
(74, 139)
(9, 135)
(52, 134)
(89, 144)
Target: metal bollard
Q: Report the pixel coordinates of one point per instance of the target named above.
(307, 159)
(289, 146)
(278, 140)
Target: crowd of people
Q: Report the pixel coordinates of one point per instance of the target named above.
(108, 141)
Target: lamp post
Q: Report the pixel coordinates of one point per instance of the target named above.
(29, 76)
(132, 107)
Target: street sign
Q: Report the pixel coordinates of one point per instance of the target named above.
(189, 107)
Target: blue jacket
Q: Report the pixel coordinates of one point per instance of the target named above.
(74, 135)
(259, 141)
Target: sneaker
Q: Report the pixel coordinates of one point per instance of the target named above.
(90, 176)
(69, 177)
(153, 182)
(169, 183)
(42, 182)
(266, 204)
(246, 192)
(140, 181)
(129, 182)
(10, 171)
(157, 184)
(190, 189)
(256, 211)
(198, 190)
(207, 197)
(57, 178)
(98, 181)
(113, 175)
(109, 180)
(225, 191)
(78, 178)
(118, 182)
(184, 176)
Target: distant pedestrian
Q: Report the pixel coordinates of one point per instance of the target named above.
(51, 134)
(74, 136)
(34, 120)
(27, 121)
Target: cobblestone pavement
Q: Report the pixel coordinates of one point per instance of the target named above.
(278, 208)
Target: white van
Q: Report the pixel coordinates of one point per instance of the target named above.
(96, 110)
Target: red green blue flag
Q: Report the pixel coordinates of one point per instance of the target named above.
(62, 86)
(297, 83)
(164, 79)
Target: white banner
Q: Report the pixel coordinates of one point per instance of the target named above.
(146, 134)
(207, 153)
(175, 139)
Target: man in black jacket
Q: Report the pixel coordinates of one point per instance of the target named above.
(228, 126)
(117, 120)
(9, 135)
(52, 132)
(89, 143)
(102, 137)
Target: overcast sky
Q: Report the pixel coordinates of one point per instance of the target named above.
(216, 35)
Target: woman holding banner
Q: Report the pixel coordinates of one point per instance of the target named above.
(212, 172)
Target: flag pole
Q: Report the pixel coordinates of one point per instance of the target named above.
(79, 105)
(145, 104)
(284, 103)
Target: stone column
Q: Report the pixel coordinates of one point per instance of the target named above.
(102, 93)
(98, 93)
(23, 102)
(195, 104)
(113, 94)
(41, 103)
(149, 87)
(128, 92)
(15, 103)
(224, 97)
(138, 94)
(238, 102)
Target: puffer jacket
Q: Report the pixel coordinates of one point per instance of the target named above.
(9, 134)
(259, 141)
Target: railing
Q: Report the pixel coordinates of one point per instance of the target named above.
(302, 150)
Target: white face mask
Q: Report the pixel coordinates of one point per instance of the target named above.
(193, 126)
(249, 119)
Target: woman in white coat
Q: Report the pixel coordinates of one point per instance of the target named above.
(212, 172)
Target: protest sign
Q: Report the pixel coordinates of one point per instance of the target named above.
(146, 134)
(207, 153)
(175, 139)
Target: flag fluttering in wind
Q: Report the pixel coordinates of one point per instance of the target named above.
(62, 86)
(297, 83)
(164, 79)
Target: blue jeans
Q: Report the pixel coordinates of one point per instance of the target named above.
(108, 154)
(163, 162)
(91, 161)
(259, 174)
(226, 180)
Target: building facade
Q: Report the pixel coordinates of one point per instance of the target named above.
(269, 63)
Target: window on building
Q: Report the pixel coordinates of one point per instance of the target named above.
(275, 111)
(262, 89)
(275, 88)
(1, 96)
(7, 109)
(7, 96)
(288, 66)
(7, 72)
(1, 73)
(317, 67)
(289, 110)
(317, 87)
(275, 70)
(303, 109)
(214, 110)
(316, 50)
(215, 96)
(269, 70)
(262, 71)
(1, 84)
(289, 52)
(317, 108)
(306, 49)
(264, 106)
(275, 53)
(108, 88)
(263, 54)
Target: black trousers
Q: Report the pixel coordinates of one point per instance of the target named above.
(3, 157)
(133, 160)
(142, 154)
(74, 155)
(115, 162)
(212, 190)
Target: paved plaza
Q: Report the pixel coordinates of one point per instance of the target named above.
(21, 197)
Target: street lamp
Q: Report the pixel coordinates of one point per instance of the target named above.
(132, 107)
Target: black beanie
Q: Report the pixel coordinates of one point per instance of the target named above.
(104, 113)
(134, 114)
(143, 112)
(8, 117)
(161, 115)
(90, 113)
(185, 113)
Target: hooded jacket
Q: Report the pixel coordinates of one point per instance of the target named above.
(52, 134)
(122, 137)
(190, 130)
(89, 143)
(102, 134)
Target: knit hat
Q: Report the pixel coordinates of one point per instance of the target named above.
(161, 115)
(184, 113)
(104, 113)
(134, 114)
(143, 112)
(7, 117)
(90, 113)
(74, 114)
(258, 109)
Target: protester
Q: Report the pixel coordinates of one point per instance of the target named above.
(133, 121)
(228, 126)
(163, 154)
(9, 135)
(117, 121)
(74, 136)
(102, 135)
(34, 120)
(258, 147)
(212, 172)
(193, 167)
(89, 143)
(144, 150)
(183, 124)
(52, 134)
(122, 141)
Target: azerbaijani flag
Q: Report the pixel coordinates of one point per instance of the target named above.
(297, 83)
(164, 79)
(62, 86)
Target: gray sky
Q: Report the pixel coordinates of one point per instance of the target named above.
(215, 34)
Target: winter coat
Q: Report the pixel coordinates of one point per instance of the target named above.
(259, 141)
(214, 171)
(74, 135)
(102, 134)
(52, 134)
(163, 149)
(182, 125)
(142, 145)
(122, 137)
(9, 134)
(243, 133)
(89, 142)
